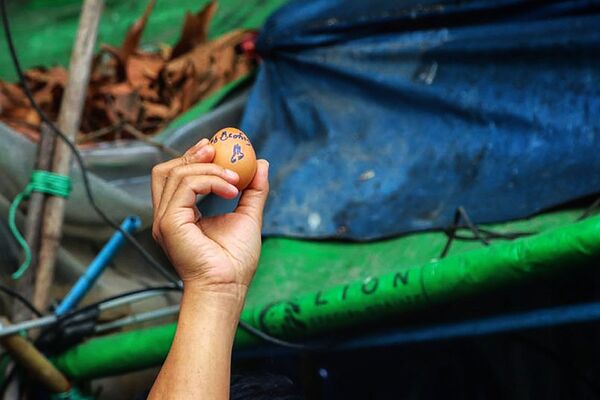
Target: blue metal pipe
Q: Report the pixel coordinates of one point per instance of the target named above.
(541, 318)
(97, 266)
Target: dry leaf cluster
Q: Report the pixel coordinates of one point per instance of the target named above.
(134, 92)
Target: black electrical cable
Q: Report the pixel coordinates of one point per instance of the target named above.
(244, 325)
(65, 319)
(491, 235)
(459, 214)
(590, 210)
(21, 299)
(84, 172)
(482, 235)
(247, 327)
(97, 304)
(279, 342)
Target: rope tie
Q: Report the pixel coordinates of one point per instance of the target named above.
(40, 181)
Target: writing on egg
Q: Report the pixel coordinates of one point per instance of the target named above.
(228, 135)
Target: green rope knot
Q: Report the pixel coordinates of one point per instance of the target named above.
(43, 182)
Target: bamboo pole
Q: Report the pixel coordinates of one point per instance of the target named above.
(28, 357)
(35, 210)
(69, 120)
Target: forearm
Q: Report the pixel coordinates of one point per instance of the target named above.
(199, 362)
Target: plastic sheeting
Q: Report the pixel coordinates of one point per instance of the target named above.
(382, 117)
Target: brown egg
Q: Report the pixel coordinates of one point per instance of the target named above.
(234, 151)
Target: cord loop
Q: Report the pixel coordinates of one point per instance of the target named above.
(43, 182)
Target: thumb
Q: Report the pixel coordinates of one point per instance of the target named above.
(254, 197)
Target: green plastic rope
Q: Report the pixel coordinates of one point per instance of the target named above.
(40, 181)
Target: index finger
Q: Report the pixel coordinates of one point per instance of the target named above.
(200, 153)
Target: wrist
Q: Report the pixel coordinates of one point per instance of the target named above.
(227, 298)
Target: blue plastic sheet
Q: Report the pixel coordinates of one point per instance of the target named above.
(382, 117)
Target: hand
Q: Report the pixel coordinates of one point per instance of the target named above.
(216, 254)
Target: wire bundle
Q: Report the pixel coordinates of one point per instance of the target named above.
(43, 182)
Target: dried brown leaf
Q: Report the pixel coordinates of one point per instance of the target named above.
(243, 67)
(224, 62)
(32, 117)
(150, 93)
(175, 107)
(142, 90)
(5, 102)
(143, 69)
(116, 89)
(177, 71)
(195, 29)
(17, 113)
(11, 96)
(188, 94)
(109, 112)
(200, 56)
(44, 97)
(128, 107)
(56, 75)
(156, 111)
(165, 51)
(134, 34)
(231, 38)
(50, 88)
(30, 132)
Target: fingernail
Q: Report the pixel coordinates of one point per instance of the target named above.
(202, 141)
(230, 173)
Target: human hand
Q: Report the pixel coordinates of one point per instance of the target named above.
(216, 254)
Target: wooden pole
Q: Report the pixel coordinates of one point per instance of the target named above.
(69, 120)
(35, 210)
(28, 357)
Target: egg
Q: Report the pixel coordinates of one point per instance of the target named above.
(234, 151)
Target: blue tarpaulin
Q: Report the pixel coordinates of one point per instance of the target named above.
(382, 117)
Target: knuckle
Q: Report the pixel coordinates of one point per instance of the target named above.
(213, 170)
(187, 159)
(209, 169)
(157, 170)
(155, 233)
(187, 181)
(177, 172)
(164, 227)
(217, 169)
